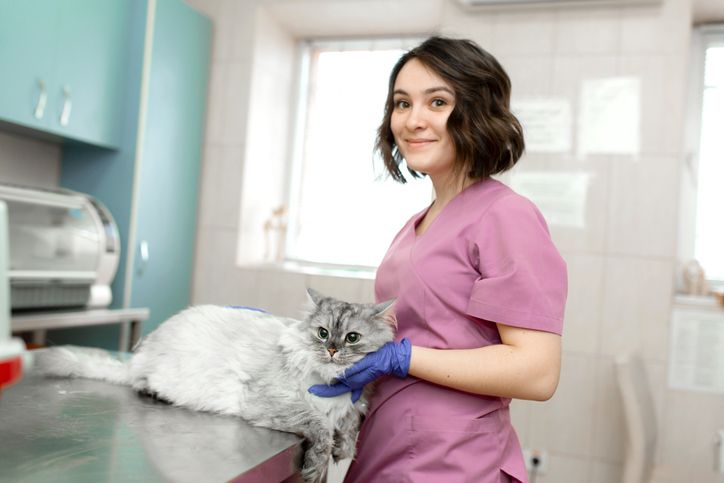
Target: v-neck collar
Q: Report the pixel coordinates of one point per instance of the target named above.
(423, 213)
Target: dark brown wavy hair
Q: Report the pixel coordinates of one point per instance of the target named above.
(487, 137)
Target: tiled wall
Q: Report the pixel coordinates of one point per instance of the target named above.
(621, 264)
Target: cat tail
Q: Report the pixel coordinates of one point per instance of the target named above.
(83, 362)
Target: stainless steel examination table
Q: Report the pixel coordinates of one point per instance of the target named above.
(65, 430)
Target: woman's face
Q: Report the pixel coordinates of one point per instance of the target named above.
(423, 102)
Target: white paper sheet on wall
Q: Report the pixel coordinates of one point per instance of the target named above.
(561, 196)
(546, 124)
(609, 116)
(696, 359)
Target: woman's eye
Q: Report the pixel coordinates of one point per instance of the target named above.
(401, 104)
(439, 102)
(352, 338)
(322, 333)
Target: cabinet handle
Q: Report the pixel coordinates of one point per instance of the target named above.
(42, 100)
(67, 106)
(143, 252)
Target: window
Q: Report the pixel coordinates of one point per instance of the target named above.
(344, 209)
(708, 239)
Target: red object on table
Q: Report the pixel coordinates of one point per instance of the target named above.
(10, 371)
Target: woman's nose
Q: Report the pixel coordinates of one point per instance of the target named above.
(415, 119)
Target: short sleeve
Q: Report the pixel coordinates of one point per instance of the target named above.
(523, 279)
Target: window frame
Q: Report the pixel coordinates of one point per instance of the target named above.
(304, 52)
(703, 37)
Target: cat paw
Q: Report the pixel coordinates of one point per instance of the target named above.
(316, 462)
(314, 474)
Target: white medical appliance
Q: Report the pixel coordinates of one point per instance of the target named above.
(64, 249)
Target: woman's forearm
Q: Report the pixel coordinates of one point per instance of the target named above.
(513, 371)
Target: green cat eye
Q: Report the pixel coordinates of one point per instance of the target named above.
(352, 338)
(322, 333)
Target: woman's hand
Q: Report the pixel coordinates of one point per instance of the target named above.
(392, 359)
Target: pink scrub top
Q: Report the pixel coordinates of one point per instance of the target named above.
(486, 258)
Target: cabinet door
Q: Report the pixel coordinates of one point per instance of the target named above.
(28, 30)
(92, 54)
(168, 181)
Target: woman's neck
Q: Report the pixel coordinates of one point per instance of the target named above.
(447, 187)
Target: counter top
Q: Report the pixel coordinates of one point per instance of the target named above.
(61, 319)
(77, 430)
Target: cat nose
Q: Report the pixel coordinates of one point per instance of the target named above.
(332, 351)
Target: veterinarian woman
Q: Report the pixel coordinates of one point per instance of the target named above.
(480, 287)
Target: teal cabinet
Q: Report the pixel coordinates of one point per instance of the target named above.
(89, 64)
(170, 161)
(62, 64)
(150, 183)
(28, 41)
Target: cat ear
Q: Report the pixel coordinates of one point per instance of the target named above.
(315, 296)
(384, 311)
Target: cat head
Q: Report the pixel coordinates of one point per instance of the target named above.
(341, 333)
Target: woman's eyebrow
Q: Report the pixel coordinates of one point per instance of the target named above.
(439, 88)
(431, 90)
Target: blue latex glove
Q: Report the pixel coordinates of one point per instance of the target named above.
(392, 359)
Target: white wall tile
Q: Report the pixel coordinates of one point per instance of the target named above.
(525, 32)
(663, 80)
(315, 18)
(565, 468)
(281, 292)
(208, 177)
(564, 423)
(476, 26)
(268, 136)
(216, 107)
(520, 417)
(581, 328)
(220, 186)
(215, 279)
(237, 86)
(228, 103)
(604, 472)
(636, 307)
(590, 237)
(588, 31)
(240, 286)
(609, 425)
(235, 30)
(657, 28)
(342, 288)
(571, 71)
(530, 75)
(366, 292)
(643, 207)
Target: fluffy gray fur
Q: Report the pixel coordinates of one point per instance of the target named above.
(250, 364)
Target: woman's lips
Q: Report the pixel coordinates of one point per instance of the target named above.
(418, 143)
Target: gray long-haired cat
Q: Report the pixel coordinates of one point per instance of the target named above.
(253, 365)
